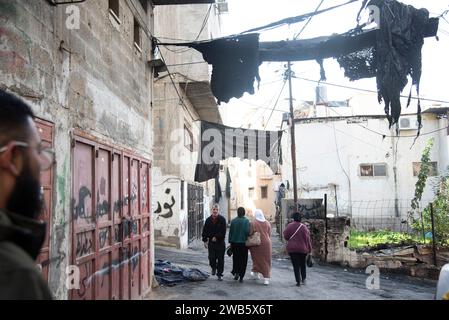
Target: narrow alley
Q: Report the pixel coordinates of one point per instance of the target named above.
(323, 281)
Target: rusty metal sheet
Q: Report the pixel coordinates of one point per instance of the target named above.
(103, 277)
(112, 221)
(134, 198)
(135, 269)
(86, 290)
(103, 192)
(83, 183)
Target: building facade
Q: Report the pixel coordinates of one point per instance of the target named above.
(183, 99)
(86, 69)
(368, 173)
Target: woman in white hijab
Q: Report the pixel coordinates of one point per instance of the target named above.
(261, 254)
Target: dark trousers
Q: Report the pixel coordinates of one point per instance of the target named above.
(239, 259)
(216, 256)
(299, 265)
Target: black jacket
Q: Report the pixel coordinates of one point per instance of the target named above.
(217, 229)
(20, 241)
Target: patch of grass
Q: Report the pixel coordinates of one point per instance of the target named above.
(364, 239)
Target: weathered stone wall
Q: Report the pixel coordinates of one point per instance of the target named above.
(92, 78)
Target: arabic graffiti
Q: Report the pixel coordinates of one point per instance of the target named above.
(167, 206)
(83, 244)
(79, 210)
(102, 208)
(103, 237)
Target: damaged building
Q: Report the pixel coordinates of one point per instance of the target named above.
(182, 100)
(86, 69)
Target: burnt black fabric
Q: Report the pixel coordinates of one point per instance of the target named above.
(395, 55)
(228, 183)
(217, 196)
(235, 63)
(227, 142)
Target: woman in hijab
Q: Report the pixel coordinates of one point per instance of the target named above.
(261, 254)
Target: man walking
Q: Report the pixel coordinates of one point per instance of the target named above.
(214, 232)
(22, 158)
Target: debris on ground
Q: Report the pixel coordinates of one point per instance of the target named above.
(168, 274)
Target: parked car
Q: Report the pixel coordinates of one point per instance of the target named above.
(443, 284)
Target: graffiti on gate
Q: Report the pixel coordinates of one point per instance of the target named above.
(102, 207)
(135, 259)
(135, 227)
(83, 244)
(143, 197)
(167, 206)
(79, 210)
(106, 268)
(103, 237)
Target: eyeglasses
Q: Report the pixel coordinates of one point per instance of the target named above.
(46, 155)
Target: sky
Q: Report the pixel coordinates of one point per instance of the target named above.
(255, 110)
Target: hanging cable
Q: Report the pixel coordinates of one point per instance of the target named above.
(364, 90)
(308, 21)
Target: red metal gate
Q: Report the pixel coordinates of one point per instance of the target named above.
(45, 130)
(111, 221)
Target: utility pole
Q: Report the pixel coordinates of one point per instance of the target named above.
(292, 134)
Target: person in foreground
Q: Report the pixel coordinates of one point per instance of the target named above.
(22, 158)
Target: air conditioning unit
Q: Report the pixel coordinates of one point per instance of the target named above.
(408, 123)
(222, 6)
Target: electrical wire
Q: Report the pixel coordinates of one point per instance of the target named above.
(275, 104)
(390, 136)
(308, 21)
(267, 27)
(364, 90)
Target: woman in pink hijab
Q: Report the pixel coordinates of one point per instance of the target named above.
(261, 254)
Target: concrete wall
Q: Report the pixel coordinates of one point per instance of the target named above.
(189, 27)
(93, 79)
(330, 151)
(173, 161)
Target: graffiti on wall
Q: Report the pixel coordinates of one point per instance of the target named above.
(167, 206)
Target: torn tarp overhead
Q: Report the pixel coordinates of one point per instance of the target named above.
(235, 63)
(395, 54)
(219, 142)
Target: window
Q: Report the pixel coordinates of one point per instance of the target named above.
(137, 34)
(373, 170)
(114, 8)
(188, 138)
(264, 192)
(251, 193)
(433, 169)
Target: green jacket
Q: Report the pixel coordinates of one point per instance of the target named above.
(20, 242)
(239, 230)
